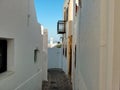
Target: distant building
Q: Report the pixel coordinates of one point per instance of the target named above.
(42, 30)
(51, 43)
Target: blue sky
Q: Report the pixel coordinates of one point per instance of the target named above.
(48, 13)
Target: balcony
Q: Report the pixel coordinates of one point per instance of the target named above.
(61, 27)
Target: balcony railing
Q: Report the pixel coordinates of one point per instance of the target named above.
(61, 27)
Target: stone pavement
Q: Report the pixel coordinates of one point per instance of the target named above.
(57, 80)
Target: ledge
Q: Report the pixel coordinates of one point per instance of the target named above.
(6, 75)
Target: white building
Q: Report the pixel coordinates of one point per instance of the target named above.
(95, 43)
(52, 43)
(21, 47)
(98, 45)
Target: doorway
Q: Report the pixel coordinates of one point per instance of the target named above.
(70, 57)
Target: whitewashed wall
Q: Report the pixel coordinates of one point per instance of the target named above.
(88, 46)
(65, 64)
(45, 54)
(96, 31)
(18, 23)
(56, 59)
(97, 45)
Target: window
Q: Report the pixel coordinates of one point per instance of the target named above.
(77, 6)
(76, 9)
(66, 14)
(3, 56)
(75, 57)
(65, 51)
(61, 27)
(36, 55)
(80, 4)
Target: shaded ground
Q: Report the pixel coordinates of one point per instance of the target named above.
(57, 80)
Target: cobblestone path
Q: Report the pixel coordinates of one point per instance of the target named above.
(57, 80)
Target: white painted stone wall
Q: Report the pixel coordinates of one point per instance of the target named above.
(97, 46)
(56, 59)
(19, 25)
(88, 46)
(65, 64)
(45, 54)
(96, 33)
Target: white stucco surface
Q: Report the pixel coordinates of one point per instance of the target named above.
(54, 58)
(88, 46)
(95, 32)
(97, 46)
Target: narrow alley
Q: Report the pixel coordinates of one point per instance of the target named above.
(59, 44)
(57, 80)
